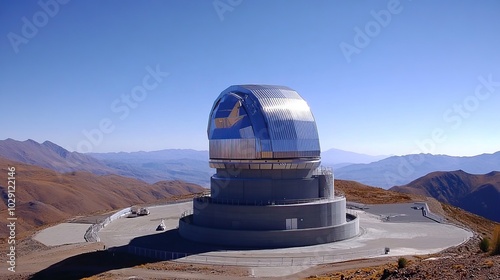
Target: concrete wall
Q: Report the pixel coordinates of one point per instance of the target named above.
(325, 186)
(275, 174)
(264, 189)
(322, 213)
(268, 238)
(91, 233)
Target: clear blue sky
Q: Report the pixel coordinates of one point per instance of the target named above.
(375, 84)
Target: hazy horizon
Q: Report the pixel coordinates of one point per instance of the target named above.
(206, 150)
(382, 78)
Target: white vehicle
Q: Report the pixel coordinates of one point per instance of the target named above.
(161, 226)
(143, 212)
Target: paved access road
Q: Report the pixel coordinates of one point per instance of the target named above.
(65, 233)
(408, 235)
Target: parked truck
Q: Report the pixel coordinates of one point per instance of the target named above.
(143, 212)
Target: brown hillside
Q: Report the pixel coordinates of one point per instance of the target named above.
(357, 192)
(479, 194)
(44, 196)
(360, 193)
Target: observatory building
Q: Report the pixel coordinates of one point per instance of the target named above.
(269, 189)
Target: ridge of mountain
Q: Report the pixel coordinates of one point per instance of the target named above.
(400, 170)
(476, 193)
(51, 156)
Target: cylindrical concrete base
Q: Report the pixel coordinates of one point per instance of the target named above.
(229, 214)
(268, 238)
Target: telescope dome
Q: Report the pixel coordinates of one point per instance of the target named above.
(262, 122)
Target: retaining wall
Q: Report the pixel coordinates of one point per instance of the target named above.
(91, 233)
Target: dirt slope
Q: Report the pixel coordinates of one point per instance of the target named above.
(44, 196)
(478, 194)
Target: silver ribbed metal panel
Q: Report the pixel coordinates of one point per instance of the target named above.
(232, 148)
(277, 118)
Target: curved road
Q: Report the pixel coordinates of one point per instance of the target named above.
(403, 238)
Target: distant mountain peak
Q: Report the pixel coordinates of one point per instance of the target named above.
(31, 141)
(56, 148)
(47, 142)
(492, 173)
(50, 155)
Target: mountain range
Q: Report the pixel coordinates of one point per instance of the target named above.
(400, 170)
(51, 156)
(146, 169)
(339, 158)
(187, 165)
(192, 165)
(45, 196)
(478, 194)
(169, 164)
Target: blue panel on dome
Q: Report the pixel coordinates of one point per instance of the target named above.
(229, 118)
(270, 121)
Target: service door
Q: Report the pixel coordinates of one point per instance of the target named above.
(291, 223)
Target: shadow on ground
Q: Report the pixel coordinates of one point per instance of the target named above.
(94, 263)
(171, 241)
(89, 264)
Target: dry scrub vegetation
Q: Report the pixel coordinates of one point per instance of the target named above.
(461, 262)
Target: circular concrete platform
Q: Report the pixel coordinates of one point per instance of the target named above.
(138, 235)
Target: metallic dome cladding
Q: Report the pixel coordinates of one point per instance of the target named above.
(262, 122)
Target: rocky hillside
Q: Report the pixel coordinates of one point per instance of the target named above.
(478, 194)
